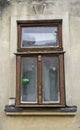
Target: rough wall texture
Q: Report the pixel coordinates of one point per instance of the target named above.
(10, 8)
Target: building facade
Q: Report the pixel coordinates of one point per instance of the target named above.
(54, 118)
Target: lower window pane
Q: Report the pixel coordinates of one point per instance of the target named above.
(50, 79)
(28, 91)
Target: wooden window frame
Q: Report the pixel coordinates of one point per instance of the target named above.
(32, 52)
(39, 87)
(40, 23)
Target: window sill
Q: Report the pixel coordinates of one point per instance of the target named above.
(63, 111)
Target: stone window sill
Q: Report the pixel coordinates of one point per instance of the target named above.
(63, 111)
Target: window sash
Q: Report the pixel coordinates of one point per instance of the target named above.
(39, 82)
(40, 24)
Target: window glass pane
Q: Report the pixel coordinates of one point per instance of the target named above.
(50, 79)
(29, 66)
(39, 36)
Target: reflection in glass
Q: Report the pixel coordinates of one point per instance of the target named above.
(39, 36)
(29, 71)
(50, 79)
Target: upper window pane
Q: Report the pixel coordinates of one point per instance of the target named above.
(39, 36)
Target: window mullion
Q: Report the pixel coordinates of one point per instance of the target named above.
(39, 80)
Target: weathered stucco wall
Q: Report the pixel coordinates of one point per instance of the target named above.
(69, 11)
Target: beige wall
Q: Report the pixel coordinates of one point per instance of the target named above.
(69, 11)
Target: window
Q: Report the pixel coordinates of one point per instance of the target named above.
(40, 64)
